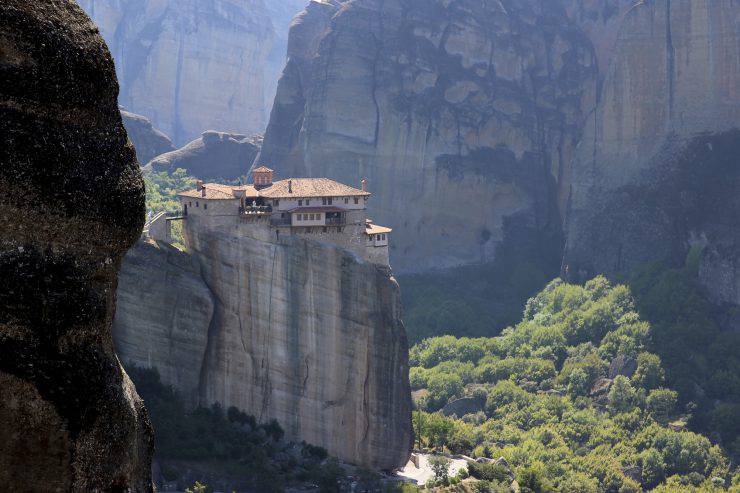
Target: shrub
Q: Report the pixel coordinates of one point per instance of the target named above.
(488, 471)
(661, 403)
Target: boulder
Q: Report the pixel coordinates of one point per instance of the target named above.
(73, 204)
(148, 141)
(464, 405)
(622, 365)
(215, 155)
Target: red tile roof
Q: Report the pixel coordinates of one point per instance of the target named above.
(310, 187)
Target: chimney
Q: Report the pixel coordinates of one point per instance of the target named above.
(199, 185)
(203, 192)
(364, 185)
(290, 186)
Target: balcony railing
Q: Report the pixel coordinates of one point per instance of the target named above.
(256, 209)
(335, 221)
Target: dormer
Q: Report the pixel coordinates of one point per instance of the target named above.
(262, 177)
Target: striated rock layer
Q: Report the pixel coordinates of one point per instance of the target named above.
(191, 65)
(462, 115)
(298, 331)
(657, 171)
(71, 205)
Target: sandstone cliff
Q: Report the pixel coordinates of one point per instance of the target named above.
(147, 140)
(650, 180)
(215, 155)
(462, 115)
(190, 65)
(72, 203)
(294, 330)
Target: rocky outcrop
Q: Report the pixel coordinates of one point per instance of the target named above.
(657, 171)
(72, 205)
(148, 141)
(213, 156)
(463, 115)
(293, 330)
(190, 65)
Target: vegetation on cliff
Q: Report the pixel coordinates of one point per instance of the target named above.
(227, 444)
(583, 393)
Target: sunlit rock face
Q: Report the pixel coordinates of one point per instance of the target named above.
(191, 66)
(72, 205)
(292, 330)
(462, 115)
(657, 171)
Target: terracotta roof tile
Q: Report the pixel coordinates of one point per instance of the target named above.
(263, 169)
(214, 191)
(310, 187)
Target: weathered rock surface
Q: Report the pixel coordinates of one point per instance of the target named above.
(462, 115)
(464, 405)
(657, 171)
(72, 205)
(294, 330)
(212, 156)
(190, 65)
(148, 141)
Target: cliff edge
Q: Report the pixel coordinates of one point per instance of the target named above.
(293, 330)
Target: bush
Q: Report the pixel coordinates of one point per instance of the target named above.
(488, 471)
(661, 403)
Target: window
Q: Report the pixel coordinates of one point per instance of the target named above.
(190, 204)
(276, 203)
(346, 200)
(205, 206)
(357, 200)
(308, 202)
(196, 204)
(330, 199)
(300, 203)
(323, 200)
(311, 217)
(305, 217)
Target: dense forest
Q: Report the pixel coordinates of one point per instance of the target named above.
(584, 394)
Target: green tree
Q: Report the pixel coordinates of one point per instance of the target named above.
(622, 396)
(440, 467)
(649, 374)
(661, 403)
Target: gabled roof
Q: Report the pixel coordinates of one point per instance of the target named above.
(249, 191)
(310, 187)
(262, 169)
(214, 191)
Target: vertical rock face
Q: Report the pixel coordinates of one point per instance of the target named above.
(72, 205)
(462, 115)
(191, 65)
(294, 330)
(657, 170)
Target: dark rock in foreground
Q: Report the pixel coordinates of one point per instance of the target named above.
(72, 205)
(148, 141)
(215, 155)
